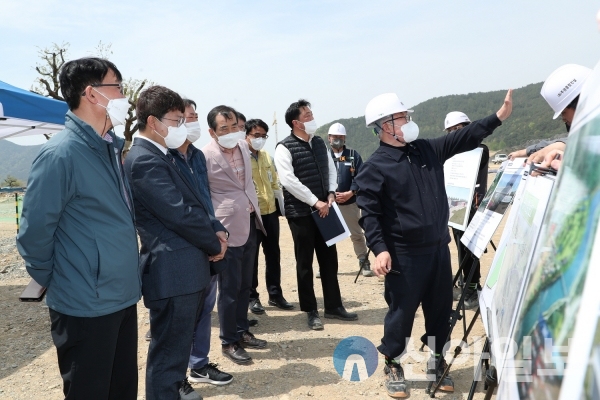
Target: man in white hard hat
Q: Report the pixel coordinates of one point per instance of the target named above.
(454, 121)
(561, 91)
(348, 162)
(405, 217)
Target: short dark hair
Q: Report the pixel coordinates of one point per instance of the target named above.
(76, 75)
(293, 111)
(189, 102)
(253, 123)
(573, 104)
(225, 111)
(241, 116)
(157, 101)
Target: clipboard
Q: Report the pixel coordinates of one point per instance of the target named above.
(333, 228)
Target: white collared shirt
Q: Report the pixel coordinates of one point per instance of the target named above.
(160, 146)
(285, 170)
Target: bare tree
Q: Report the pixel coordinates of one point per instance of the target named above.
(52, 59)
(132, 88)
(103, 50)
(11, 181)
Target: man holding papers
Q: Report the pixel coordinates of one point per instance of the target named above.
(308, 176)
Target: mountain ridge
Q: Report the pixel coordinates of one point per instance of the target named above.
(530, 122)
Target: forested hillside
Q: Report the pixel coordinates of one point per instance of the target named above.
(16, 160)
(530, 122)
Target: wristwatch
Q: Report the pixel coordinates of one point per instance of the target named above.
(333, 193)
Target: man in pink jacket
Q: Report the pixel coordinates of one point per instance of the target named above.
(236, 206)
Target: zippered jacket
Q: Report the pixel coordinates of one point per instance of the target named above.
(77, 233)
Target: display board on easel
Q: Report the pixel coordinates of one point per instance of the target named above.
(502, 292)
(460, 175)
(561, 284)
(493, 206)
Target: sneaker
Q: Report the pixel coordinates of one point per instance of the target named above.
(395, 384)
(366, 267)
(471, 299)
(447, 384)
(148, 336)
(210, 374)
(318, 274)
(187, 392)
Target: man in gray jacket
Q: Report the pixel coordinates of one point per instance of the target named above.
(78, 237)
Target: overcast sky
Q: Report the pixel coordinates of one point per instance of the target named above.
(260, 56)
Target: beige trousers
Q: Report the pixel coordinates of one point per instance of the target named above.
(351, 214)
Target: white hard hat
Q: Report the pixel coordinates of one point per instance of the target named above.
(383, 106)
(455, 118)
(563, 85)
(337, 129)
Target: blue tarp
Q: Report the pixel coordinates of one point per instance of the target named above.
(22, 104)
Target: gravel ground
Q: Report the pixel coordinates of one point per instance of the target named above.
(297, 363)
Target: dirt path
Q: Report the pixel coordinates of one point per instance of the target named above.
(297, 364)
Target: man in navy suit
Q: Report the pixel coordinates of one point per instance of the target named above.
(178, 236)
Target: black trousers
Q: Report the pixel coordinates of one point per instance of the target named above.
(270, 245)
(172, 323)
(308, 239)
(464, 252)
(234, 289)
(97, 356)
(425, 280)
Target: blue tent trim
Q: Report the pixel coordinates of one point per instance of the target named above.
(19, 103)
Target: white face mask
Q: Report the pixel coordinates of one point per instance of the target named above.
(194, 131)
(410, 131)
(116, 109)
(258, 143)
(175, 136)
(230, 140)
(310, 127)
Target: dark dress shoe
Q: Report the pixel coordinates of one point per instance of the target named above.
(252, 322)
(341, 313)
(250, 341)
(236, 353)
(314, 322)
(281, 302)
(255, 307)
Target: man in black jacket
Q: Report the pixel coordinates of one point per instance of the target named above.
(405, 217)
(308, 177)
(178, 236)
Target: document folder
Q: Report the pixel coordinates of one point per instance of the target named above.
(333, 228)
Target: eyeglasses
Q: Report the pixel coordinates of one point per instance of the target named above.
(258, 136)
(406, 117)
(121, 86)
(180, 121)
